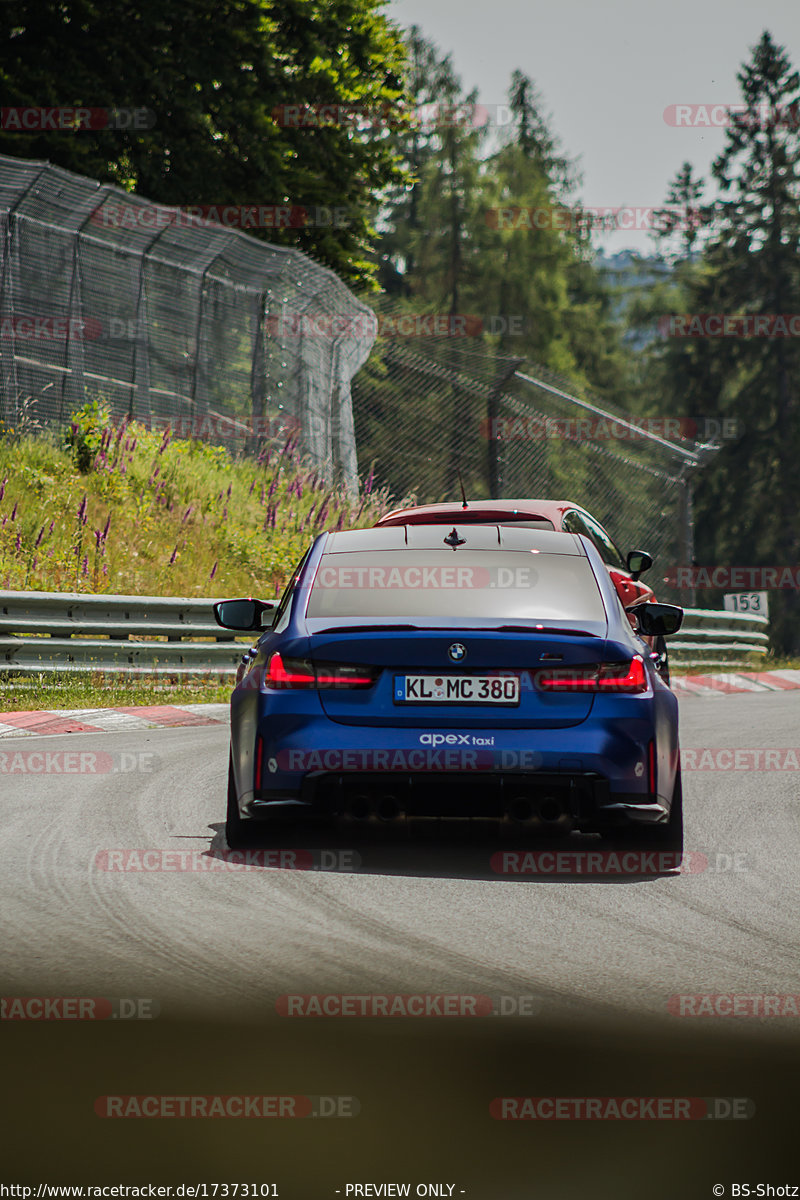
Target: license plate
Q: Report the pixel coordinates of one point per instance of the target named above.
(456, 689)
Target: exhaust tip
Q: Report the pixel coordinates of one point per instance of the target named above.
(387, 808)
(520, 809)
(359, 808)
(550, 810)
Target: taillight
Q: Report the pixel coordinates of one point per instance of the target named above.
(283, 673)
(614, 677)
(602, 677)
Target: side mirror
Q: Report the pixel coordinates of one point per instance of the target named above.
(638, 562)
(244, 615)
(657, 620)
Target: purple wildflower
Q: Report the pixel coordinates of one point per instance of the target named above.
(174, 554)
(85, 565)
(14, 510)
(213, 571)
(38, 541)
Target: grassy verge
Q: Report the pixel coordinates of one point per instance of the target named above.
(759, 663)
(98, 690)
(104, 508)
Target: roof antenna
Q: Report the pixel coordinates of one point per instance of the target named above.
(463, 493)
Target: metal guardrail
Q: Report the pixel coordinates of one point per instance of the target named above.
(41, 632)
(145, 635)
(717, 638)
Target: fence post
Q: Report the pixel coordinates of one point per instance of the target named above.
(492, 413)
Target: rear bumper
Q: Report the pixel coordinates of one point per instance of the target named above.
(532, 800)
(596, 774)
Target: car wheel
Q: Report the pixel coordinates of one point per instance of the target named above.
(670, 836)
(667, 837)
(662, 662)
(238, 833)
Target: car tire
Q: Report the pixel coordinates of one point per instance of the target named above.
(670, 835)
(239, 834)
(667, 837)
(660, 647)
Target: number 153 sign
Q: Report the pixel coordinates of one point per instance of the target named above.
(747, 602)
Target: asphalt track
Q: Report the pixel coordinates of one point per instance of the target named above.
(212, 948)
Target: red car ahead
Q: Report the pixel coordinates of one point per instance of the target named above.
(563, 516)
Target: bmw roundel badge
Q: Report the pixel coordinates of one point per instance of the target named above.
(457, 652)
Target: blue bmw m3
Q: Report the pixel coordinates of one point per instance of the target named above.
(485, 672)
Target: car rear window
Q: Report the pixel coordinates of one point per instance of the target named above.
(502, 585)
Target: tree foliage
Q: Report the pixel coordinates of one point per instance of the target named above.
(215, 74)
(748, 265)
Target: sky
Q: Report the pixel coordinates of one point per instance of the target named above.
(606, 72)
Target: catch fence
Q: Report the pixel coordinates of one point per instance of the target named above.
(164, 316)
(432, 413)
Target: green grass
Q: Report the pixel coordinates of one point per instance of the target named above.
(98, 690)
(766, 662)
(123, 509)
(132, 511)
